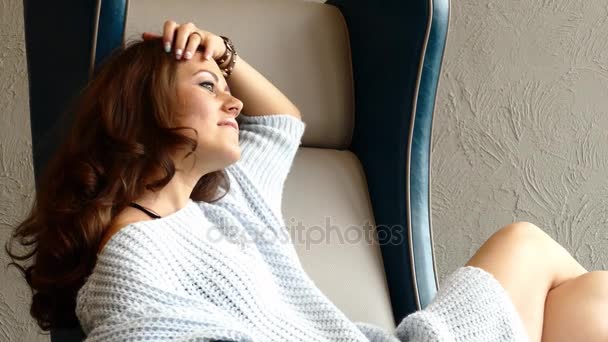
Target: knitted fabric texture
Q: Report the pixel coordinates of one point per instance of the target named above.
(228, 271)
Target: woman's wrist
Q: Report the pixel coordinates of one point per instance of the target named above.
(227, 60)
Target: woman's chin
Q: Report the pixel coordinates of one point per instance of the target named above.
(233, 156)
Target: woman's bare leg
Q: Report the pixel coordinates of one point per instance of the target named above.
(528, 263)
(577, 310)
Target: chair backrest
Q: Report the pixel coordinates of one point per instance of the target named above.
(364, 75)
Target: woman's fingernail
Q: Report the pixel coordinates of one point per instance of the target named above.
(178, 53)
(167, 47)
(188, 55)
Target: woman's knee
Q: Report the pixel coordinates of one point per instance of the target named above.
(522, 239)
(529, 241)
(531, 238)
(514, 252)
(523, 233)
(524, 244)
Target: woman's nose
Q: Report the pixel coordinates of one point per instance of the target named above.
(233, 104)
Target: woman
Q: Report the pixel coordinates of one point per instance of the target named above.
(131, 240)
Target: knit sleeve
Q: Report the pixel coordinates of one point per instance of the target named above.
(268, 146)
(471, 306)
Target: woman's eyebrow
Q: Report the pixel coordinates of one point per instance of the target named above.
(212, 74)
(217, 80)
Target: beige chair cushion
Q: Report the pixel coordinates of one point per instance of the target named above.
(326, 197)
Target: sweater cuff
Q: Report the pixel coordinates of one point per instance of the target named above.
(288, 124)
(375, 333)
(470, 306)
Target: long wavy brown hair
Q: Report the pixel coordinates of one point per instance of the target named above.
(123, 133)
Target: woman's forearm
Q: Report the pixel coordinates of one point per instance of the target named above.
(259, 95)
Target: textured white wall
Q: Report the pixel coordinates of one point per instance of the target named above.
(16, 170)
(520, 127)
(519, 133)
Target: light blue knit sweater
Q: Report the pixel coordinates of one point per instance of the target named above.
(222, 272)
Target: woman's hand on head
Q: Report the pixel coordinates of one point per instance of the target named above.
(185, 39)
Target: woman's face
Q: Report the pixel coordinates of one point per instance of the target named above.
(203, 102)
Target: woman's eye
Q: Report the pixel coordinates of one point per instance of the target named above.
(208, 85)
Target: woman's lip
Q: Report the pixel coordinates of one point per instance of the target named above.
(230, 124)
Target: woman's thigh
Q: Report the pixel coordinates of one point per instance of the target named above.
(528, 264)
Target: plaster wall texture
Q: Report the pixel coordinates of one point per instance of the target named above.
(520, 127)
(16, 170)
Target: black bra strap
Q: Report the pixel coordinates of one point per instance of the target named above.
(147, 211)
